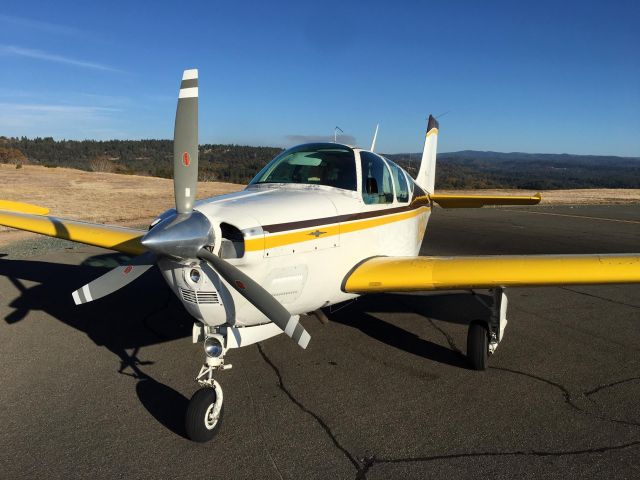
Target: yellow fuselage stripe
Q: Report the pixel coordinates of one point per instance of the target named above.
(282, 239)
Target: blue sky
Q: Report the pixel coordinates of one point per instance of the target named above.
(514, 76)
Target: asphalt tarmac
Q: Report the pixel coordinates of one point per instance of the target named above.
(383, 391)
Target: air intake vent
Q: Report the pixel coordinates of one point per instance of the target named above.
(207, 297)
(199, 297)
(188, 295)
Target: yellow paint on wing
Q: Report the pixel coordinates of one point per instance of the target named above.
(121, 239)
(461, 273)
(22, 207)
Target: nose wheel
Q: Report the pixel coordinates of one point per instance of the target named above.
(204, 413)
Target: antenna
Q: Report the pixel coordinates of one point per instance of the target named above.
(375, 135)
(335, 134)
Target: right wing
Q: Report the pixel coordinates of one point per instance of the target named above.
(406, 274)
(121, 239)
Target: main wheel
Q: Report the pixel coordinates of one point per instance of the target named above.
(204, 414)
(478, 344)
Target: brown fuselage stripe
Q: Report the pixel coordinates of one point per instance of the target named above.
(417, 202)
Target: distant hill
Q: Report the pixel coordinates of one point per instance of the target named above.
(238, 164)
(535, 171)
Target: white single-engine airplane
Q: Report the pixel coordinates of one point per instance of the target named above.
(322, 223)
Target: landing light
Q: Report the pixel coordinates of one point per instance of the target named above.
(194, 275)
(213, 347)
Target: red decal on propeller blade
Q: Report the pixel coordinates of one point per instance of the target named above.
(240, 285)
(185, 159)
(128, 269)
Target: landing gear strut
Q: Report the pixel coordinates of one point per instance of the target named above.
(483, 337)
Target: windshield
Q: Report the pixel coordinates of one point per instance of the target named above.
(314, 163)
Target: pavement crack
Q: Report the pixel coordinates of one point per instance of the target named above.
(317, 417)
(569, 398)
(608, 385)
(448, 337)
(531, 453)
(600, 297)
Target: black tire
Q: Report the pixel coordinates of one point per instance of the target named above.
(478, 345)
(194, 421)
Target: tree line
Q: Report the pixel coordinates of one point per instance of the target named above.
(239, 163)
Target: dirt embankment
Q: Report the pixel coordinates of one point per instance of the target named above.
(136, 200)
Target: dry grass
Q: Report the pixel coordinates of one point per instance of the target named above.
(93, 196)
(136, 200)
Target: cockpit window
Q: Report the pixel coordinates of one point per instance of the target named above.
(399, 182)
(376, 180)
(314, 163)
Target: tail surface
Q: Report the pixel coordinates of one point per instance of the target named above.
(427, 174)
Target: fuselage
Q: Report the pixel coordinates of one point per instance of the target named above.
(300, 240)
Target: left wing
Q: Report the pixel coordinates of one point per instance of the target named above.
(121, 239)
(405, 274)
(475, 201)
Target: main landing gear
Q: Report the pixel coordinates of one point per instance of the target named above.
(483, 337)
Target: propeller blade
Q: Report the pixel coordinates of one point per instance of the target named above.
(114, 279)
(185, 143)
(258, 297)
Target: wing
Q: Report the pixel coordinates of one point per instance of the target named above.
(404, 274)
(121, 239)
(475, 201)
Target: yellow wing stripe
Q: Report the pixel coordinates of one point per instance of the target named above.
(22, 207)
(121, 239)
(475, 201)
(288, 238)
(386, 274)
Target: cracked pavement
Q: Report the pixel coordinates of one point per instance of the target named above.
(383, 390)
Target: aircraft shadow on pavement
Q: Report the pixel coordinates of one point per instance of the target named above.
(457, 308)
(143, 313)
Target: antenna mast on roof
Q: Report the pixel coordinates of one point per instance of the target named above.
(335, 134)
(375, 136)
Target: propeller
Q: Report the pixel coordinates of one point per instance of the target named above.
(184, 233)
(114, 279)
(185, 143)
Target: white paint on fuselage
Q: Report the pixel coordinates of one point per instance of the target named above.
(302, 278)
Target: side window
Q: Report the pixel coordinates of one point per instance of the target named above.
(399, 183)
(376, 180)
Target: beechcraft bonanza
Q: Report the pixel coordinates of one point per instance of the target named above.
(322, 223)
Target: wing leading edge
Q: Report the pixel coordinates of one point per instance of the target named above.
(405, 274)
(121, 239)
